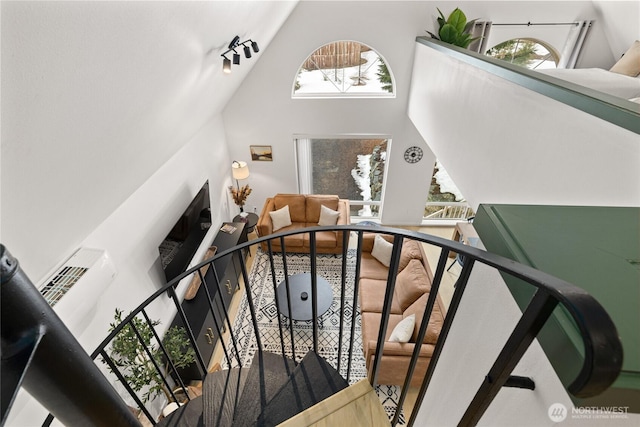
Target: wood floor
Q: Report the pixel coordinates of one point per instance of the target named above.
(433, 253)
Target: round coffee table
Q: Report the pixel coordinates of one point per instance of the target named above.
(300, 286)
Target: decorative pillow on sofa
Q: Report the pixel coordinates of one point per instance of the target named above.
(403, 330)
(382, 250)
(629, 64)
(411, 284)
(280, 218)
(328, 216)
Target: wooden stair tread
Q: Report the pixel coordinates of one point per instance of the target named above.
(358, 403)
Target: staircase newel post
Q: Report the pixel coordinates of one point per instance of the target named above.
(61, 375)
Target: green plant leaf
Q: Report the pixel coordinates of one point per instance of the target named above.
(458, 20)
(448, 34)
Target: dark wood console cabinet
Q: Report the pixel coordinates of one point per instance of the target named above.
(197, 310)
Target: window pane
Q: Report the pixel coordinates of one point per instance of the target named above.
(344, 67)
(526, 53)
(351, 168)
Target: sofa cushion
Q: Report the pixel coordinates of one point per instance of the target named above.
(435, 323)
(411, 283)
(403, 330)
(280, 218)
(410, 250)
(296, 203)
(382, 250)
(293, 241)
(324, 239)
(372, 294)
(371, 327)
(314, 201)
(328, 216)
(371, 268)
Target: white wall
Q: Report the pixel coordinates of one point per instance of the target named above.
(132, 233)
(486, 316)
(517, 146)
(621, 23)
(596, 51)
(262, 111)
(96, 96)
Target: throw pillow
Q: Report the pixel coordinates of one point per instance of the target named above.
(403, 330)
(629, 64)
(382, 250)
(280, 218)
(328, 216)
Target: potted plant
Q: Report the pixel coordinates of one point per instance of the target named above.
(455, 29)
(129, 355)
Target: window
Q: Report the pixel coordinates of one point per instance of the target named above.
(352, 168)
(445, 200)
(528, 53)
(344, 68)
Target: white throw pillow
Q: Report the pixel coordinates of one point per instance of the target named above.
(629, 64)
(280, 218)
(328, 216)
(403, 330)
(382, 250)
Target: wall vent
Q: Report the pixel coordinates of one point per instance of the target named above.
(61, 283)
(75, 287)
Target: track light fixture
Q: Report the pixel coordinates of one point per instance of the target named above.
(236, 43)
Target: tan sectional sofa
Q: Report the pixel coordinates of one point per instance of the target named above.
(413, 284)
(304, 211)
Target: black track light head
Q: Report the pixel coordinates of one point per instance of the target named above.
(247, 52)
(254, 45)
(236, 58)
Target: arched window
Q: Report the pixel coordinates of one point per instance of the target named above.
(344, 68)
(529, 53)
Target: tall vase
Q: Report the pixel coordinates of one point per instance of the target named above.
(241, 210)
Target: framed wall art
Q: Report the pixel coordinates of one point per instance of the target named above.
(261, 153)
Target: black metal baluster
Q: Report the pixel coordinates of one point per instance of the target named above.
(343, 285)
(461, 284)
(314, 289)
(354, 309)
(166, 354)
(126, 385)
(286, 284)
(187, 325)
(275, 294)
(252, 309)
(152, 359)
(433, 294)
(386, 309)
(533, 319)
(210, 302)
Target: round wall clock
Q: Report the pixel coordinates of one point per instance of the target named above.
(413, 154)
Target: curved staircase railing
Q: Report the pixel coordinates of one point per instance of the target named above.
(602, 348)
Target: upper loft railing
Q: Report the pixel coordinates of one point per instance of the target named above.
(619, 111)
(602, 348)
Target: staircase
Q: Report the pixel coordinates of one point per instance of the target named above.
(273, 390)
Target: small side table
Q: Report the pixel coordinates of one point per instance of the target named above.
(251, 220)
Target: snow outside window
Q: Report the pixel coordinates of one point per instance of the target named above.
(352, 168)
(344, 68)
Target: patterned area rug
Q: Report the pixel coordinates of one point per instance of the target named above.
(269, 320)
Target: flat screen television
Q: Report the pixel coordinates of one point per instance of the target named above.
(182, 242)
